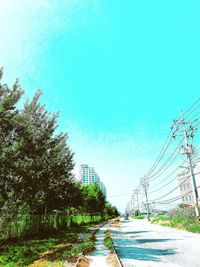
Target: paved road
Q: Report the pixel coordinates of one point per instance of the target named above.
(140, 243)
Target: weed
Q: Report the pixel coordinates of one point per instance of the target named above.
(108, 242)
(139, 217)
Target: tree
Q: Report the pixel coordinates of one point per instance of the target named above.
(94, 199)
(110, 210)
(36, 163)
(44, 161)
(9, 115)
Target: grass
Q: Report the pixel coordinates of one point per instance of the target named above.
(108, 242)
(51, 251)
(139, 217)
(188, 224)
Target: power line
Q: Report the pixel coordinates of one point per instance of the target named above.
(160, 155)
(189, 108)
(165, 163)
(175, 198)
(166, 177)
(188, 115)
(188, 177)
(163, 186)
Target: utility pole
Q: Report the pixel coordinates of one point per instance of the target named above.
(130, 207)
(188, 150)
(145, 184)
(136, 192)
(133, 201)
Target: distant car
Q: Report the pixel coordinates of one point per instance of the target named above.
(126, 217)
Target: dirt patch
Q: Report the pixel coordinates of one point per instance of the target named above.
(116, 223)
(83, 262)
(112, 260)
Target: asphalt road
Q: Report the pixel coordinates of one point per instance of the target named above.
(140, 243)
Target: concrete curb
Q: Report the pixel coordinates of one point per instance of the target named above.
(117, 256)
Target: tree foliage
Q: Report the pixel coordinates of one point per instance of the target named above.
(36, 163)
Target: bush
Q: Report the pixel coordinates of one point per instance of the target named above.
(185, 212)
(182, 217)
(195, 228)
(108, 242)
(138, 217)
(160, 218)
(137, 213)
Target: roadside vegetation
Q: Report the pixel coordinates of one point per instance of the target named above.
(137, 215)
(39, 198)
(182, 217)
(55, 248)
(108, 240)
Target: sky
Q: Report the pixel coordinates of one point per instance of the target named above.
(118, 71)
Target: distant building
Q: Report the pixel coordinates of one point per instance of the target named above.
(185, 185)
(87, 175)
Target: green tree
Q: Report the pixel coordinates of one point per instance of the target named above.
(44, 160)
(94, 199)
(36, 163)
(9, 116)
(110, 210)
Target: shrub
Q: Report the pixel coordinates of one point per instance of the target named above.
(185, 212)
(138, 217)
(195, 228)
(137, 213)
(108, 242)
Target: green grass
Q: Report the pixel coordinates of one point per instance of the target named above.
(160, 218)
(188, 224)
(107, 239)
(139, 217)
(194, 228)
(62, 245)
(108, 242)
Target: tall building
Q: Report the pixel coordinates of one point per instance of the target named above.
(87, 175)
(185, 185)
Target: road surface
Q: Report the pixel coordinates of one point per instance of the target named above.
(140, 243)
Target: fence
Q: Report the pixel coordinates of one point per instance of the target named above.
(27, 224)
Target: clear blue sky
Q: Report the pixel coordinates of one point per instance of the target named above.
(118, 72)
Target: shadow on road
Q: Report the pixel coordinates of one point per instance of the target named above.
(127, 242)
(138, 253)
(127, 245)
(128, 233)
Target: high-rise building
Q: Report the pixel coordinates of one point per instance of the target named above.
(87, 175)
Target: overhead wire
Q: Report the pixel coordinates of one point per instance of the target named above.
(165, 163)
(175, 198)
(188, 115)
(179, 117)
(188, 177)
(163, 186)
(164, 179)
(152, 174)
(161, 154)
